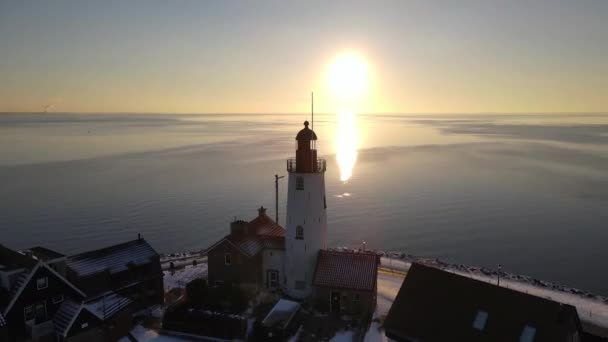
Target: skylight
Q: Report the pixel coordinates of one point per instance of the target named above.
(480, 320)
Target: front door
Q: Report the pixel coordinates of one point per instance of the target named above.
(273, 279)
(335, 302)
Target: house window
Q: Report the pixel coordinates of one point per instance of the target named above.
(273, 278)
(299, 232)
(479, 322)
(57, 299)
(300, 285)
(42, 283)
(228, 259)
(41, 311)
(299, 183)
(527, 335)
(356, 299)
(28, 313)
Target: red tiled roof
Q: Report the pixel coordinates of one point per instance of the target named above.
(264, 225)
(347, 270)
(262, 232)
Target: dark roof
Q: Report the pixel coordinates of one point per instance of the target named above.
(436, 305)
(261, 233)
(102, 307)
(347, 270)
(306, 133)
(12, 260)
(113, 259)
(42, 253)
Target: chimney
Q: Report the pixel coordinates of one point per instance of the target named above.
(262, 211)
(238, 227)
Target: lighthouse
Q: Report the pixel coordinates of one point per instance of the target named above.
(306, 221)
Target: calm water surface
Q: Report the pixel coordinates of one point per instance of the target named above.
(527, 191)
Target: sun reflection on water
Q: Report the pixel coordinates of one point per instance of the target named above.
(346, 144)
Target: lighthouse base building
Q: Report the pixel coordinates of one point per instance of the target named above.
(295, 260)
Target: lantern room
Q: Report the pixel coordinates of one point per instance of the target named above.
(306, 160)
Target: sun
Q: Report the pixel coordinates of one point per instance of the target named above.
(347, 76)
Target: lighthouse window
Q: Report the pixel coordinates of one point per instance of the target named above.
(299, 232)
(299, 183)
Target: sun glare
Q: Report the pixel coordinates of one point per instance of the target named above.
(347, 76)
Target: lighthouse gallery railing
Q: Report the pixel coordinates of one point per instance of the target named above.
(320, 167)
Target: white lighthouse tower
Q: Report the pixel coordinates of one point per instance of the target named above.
(306, 231)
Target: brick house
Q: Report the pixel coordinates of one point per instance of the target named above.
(346, 282)
(251, 256)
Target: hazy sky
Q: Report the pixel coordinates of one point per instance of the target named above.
(266, 56)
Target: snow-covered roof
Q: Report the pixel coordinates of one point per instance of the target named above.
(281, 314)
(348, 270)
(431, 298)
(102, 307)
(65, 316)
(113, 259)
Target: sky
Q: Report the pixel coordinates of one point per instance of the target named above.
(267, 56)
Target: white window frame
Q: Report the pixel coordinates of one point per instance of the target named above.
(46, 283)
(57, 299)
(227, 259)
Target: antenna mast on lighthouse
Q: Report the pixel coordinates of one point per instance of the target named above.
(312, 109)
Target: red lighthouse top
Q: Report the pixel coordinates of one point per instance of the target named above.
(306, 133)
(306, 154)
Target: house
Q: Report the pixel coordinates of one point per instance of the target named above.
(346, 282)
(251, 256)
(131, 269)
(436, 305)
(3, 329)
(34, 288)
(45, 295)
(103, 318)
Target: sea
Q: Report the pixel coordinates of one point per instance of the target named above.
(528, 192)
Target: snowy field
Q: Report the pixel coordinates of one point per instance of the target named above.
(179, 278)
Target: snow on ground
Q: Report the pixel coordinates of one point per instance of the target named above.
(388, 286)
(375, 333)
(343, 336)
(179, 278)
(141, 334)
